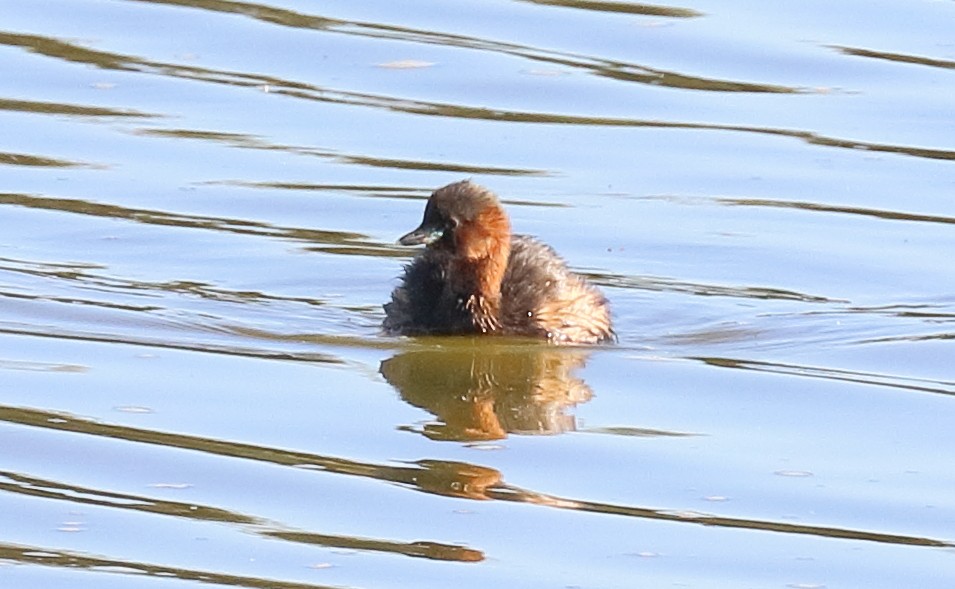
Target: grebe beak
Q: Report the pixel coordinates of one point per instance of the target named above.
(422, 235)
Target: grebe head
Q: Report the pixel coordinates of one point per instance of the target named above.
(456, 214)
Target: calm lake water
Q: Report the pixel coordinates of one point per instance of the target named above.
(199, 201)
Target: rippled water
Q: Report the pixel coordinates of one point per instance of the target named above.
(198, 210)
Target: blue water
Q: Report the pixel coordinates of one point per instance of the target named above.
(198, 211)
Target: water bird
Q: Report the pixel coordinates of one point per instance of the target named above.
(476, 277)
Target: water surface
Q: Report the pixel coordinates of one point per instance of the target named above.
(198, 210)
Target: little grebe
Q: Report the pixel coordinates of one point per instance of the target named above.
(475, 277)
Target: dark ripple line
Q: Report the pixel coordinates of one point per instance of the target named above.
(868, 378)
(811, 206)
(36, 487)
(62, 334)
(601, 67)
(446, 478)
(524, 496)
(57, 108)
(621, 7)
(662, 284)
(92, 281)
(910, 338)
(244, 141)
(70, 52)
(157, 217)
(328, 242)
(896, 57)
(37, 161)
(490, 114)
(13, 482)
(78, 301)
(439, 477)
(73, 560)
(930, 312)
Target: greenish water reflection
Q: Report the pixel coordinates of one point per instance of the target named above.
(483, 390)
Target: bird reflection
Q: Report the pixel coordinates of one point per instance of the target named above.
(479, 390)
